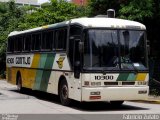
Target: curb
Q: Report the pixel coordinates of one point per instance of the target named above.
(148, 101)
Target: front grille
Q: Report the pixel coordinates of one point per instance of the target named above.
(119, 83)
(128, 83)
(110, 83)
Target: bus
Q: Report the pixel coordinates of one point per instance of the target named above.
(82, 59)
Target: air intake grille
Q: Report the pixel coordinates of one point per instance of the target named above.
(117, 83)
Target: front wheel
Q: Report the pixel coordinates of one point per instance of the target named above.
(116, 103)
(63, 93)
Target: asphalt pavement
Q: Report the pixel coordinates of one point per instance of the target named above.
(28, 102)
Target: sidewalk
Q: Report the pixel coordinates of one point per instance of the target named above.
(153, 99)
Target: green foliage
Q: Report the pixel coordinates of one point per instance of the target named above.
(50, 13)
(127, 9)
(100, 7)
(10, 15)
(136, 9)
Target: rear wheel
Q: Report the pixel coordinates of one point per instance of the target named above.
(63, 93)
(19, 83)
(116, 103)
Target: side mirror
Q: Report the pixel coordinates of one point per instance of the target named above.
(77, 67)
(81, 47)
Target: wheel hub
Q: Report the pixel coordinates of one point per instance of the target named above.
(65, 92)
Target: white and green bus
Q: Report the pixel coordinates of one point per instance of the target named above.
(83, 59)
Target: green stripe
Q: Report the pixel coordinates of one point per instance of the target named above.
(39, 73)
(131, 77)
(46, 74)
(123, 77)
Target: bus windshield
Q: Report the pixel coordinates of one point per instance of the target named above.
(114, 50)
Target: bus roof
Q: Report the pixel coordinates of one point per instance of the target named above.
(112, 23)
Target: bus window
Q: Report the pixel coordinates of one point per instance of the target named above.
(47, 40)
(27, 43)
(36, 39)
(10, 44)
(61, 38)
(101, 49)
(18, 44)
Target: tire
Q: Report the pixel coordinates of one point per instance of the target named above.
(19, 83)
(116, 103)
(63, 93)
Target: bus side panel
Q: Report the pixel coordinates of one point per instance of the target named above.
(47, 71)
(59, 67)
(32, 72)
(39, 72)
(11, 75)
(8, 74)
(28, 77)
(28, 73)
(43, 72)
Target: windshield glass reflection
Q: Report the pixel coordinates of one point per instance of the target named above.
(101, 48)
(114, 50)
(132, 50)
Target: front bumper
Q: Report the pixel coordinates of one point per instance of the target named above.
(115, 93)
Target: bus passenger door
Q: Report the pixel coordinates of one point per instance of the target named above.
(77, 77)
(74, 57)
(75, 62)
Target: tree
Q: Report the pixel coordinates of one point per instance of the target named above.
(50, 13)
(98, 7)
(10, 15)
(136, 10)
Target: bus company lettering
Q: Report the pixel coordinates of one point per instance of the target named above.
(106, 77)
(23, 60)
(10, 60)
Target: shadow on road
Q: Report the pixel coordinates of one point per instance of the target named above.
(82, 106)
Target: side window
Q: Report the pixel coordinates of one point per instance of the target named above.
(36, 40)
(10, 44)
(47, 40)
(27, 43)
(61, 38)
(18, 44)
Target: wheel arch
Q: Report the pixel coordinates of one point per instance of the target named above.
(18, 74)
(62, 78)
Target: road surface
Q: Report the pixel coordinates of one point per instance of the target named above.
(33, 102)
